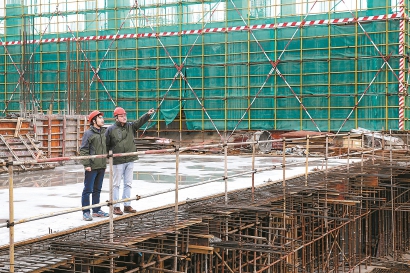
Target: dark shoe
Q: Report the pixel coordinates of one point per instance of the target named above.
(118, 211)
(129, 209)
(100, 213)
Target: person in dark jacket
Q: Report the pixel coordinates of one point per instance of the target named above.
(93, 143)
(120, 139)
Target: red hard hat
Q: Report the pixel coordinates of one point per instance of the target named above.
(119, 111)
(94, 114)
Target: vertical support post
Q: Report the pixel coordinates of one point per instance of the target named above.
(11, 214)
(361, 167)
(226, 171)
(176, 206)
(348, 154)
(226, 192)
(49, 136)
(307, 160)
(111, 169)
(326, 208)
(63, 143)
(284, 177)
(270, 241)
(393, 225)
(77, 146)
(253, 167)
(383, 145)
(373, 147)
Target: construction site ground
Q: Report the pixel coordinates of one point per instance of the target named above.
(287, 211)
(50, 191)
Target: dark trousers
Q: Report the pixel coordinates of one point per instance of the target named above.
(92, 185)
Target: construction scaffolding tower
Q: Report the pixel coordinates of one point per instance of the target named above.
(324, 65)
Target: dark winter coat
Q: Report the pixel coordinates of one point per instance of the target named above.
(120, 139)
(94, 143)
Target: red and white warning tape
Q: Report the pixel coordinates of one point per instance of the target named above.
(214, 30)
(401, 71)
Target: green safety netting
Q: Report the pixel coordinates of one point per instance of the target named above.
(229, 83)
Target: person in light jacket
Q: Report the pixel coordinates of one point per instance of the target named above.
(120, 139)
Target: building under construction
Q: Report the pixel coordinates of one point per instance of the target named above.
(238, 75)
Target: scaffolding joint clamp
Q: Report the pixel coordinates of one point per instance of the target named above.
(10, 224)
(9, 163)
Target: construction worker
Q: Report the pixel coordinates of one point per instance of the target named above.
(93, 143)
(120, 139)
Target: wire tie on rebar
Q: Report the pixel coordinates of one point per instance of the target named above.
(138, 197)
(109, 203)
(10, 224)
(224, 177)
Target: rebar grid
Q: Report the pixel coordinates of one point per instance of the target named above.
(335, 221)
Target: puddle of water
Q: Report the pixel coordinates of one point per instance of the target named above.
(162, 178)
(49, 206)
(60, 176)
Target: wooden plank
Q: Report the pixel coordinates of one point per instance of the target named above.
(18, 126)
(200, 249)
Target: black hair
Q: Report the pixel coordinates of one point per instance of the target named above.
(94, 118)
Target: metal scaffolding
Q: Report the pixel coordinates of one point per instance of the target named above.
(215, 65)
(332, 219)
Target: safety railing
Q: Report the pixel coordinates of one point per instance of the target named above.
(382, 148)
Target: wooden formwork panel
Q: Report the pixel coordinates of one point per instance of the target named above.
(12, 127)
(60, 135)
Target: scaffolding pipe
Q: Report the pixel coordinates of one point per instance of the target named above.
(253, 168)
(111, 207)
(176, 207)
(307, 160)
(11, 214)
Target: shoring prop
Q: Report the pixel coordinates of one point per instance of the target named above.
(21, 73)
(77, 40)
(364, 93)
(274, 67)
(179, 68)
(10, 222)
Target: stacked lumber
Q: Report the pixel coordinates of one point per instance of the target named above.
(296, 141)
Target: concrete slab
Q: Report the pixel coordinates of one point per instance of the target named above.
(51, 191)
